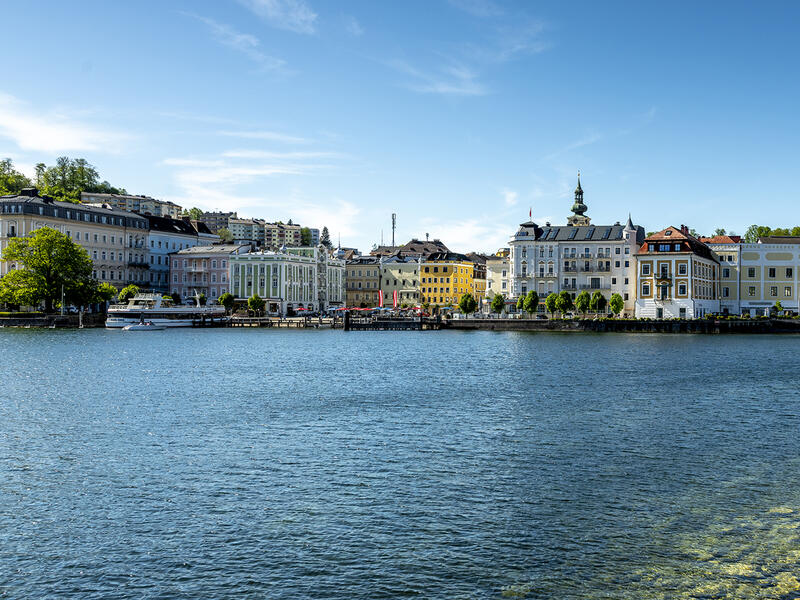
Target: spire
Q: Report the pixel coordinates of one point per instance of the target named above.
(629, 224)
(579, 207)
(578, 189)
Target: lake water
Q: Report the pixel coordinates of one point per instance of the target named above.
(323, 464)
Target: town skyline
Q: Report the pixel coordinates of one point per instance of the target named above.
(458, 125)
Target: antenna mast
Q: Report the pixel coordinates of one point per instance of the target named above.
(394, 226)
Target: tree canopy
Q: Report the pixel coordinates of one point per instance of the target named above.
(305, 236)
(11, 180)
(325, 238)
(225, 234)
(616, 304)
(757, 231)
(498, 303)
(69, 177)
(47, 262)
(521, 303)
(564, 302)
(598, 302)
(226, 300)
(255, 303)
(467, 304)
(550, 303)
(193, 213)
(582, 302)
(531, 304)
(127, 293)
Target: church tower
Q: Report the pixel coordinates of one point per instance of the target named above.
(579, 208)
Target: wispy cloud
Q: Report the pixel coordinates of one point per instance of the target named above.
(510, 197)
(54, 131)
(453, 80)
(266, 155)
(478, 8)
(247, 44)
(271, 136)
(291, 15)
(580, 143)
(485, 234)
(353, 27)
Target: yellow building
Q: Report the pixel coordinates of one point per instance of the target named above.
(445, 277)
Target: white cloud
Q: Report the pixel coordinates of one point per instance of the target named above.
(584, 141)
(53, 131)
(454, 79)
(265, 155)
(265, 135)
(510, 197)
(353, 27)
(484, 234)
(291, 15)
(247, 44)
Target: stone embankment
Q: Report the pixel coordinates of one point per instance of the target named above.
(52, 321)
(629, 325)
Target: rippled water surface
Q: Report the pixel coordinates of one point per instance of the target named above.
(323, 464)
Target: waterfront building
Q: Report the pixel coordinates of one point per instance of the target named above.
(496, 276)
(247, 231)
(167, 235)
(217, 220)
(478, 277)
(677, 276)
(754, 276)
(277, 235)
(363, 281)
(399, 277)
(144, 205)
(445, 277)
(314, 236)
(115, 239)
(203, 270)
(290, 279)
(575, 257)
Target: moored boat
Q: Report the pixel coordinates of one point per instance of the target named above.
(160, 311)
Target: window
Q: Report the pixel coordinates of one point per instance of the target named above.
(773, 290)
(726, 272)
(751, 271)
(788, 272)
(682, 312)
(616, 263)
(787, 291)
(627, 264)
(682, 289)
(771, 273)
(751, 290)
(659, 313)
(645, 269)
(663, 247)
(726, 292)
(645, 289)
(682, 269)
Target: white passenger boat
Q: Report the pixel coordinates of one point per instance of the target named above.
(161, 312)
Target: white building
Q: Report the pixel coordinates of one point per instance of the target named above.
(144, 205)
(575, 257)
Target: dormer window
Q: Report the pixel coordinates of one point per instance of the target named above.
(668, 233)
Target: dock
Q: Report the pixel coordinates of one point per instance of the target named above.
(286, 322)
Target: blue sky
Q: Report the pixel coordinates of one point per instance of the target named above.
(457, 115)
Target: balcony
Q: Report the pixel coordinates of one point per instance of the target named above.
(583, 256)
(664, 275)
(595, 287)
(570, 269)
(196, 269)
(138, 265)
(570, 287)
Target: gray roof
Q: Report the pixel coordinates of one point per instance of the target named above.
(577, 233)
(30, 197)
(213, 249)
(363, 260)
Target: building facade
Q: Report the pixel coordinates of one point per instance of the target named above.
(277, 235)
(496, 276)
(166, 236)
(144, 205)
(363, 281)
(399, 278)
(203, 270)
(116, 240)
(217, 220)
(247, 231)
(677, 276)
(445, 277)
(575, 257)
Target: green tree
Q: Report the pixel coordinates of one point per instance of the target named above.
(127, 293)
(176, 298)
(69, 177)
(11, 180)
(305, 235)
(105, 292)
(201, 299)
(225, 235)
(598, 302)
(582, 302)
(778, 307)
(255, 303)
(551, 303)
(719, 231)
(325, 238)
(756, 231)
(521, 303)
(467, 304)
(498, 303)
(531, 304)
(226, 300)
(193, 213)
(564, 302)
(51, 263)
(616, 304)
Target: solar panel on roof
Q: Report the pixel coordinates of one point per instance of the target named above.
(590, 233)
(607, 233)
(573, 233)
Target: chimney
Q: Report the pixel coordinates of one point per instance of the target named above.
(31, 192)
(684, 230)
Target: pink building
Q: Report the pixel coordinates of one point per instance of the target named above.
(202, 270)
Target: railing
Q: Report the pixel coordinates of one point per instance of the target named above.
(196, 269)
(569, 287)
(594, 287)
(663, 275)
(138, 265)
(570, 269)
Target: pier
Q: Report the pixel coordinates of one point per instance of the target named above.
(286, 323)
